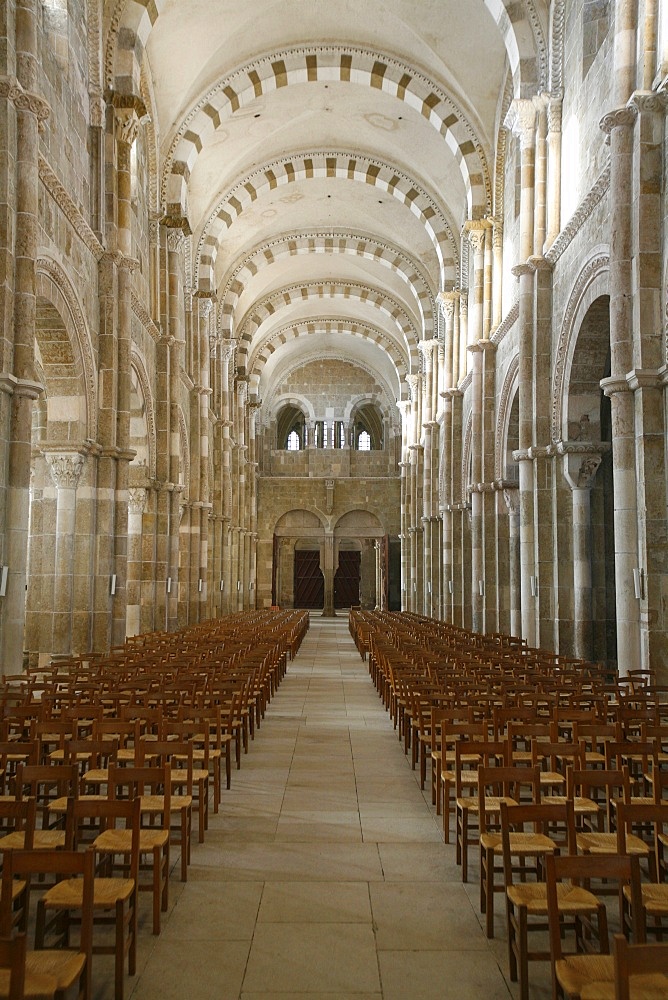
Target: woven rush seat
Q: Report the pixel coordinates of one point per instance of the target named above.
(572, 899)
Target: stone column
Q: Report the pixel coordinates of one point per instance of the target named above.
(511, 498)
(522, 120)
(136, 507)
(580, 469)
(404, 467)
(18, 387)
(449, 302)
(368, 571)
(65, 470)
(554, 170)
(227, 358)
(429, 477)
(619, 124)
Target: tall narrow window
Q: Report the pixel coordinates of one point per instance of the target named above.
(364, 441)
(293, 441)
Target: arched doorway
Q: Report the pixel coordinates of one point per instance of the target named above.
(347, 575)
(297, 578)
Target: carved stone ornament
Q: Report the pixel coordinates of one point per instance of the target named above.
(23, 100)
(413, 382)
(65, 468)
(521, 120)
(512, 500)
(137, 500)
(127, 125)
(175, 240)
(476, 231)
(619, 118)
(447, 302)
(329, 486)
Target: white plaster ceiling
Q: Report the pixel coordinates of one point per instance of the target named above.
(452, 46)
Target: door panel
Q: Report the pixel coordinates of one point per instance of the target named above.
(309, 581)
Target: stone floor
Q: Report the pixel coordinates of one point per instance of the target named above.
(325, 874)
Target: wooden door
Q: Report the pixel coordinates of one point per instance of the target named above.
(309, 581)
(347, 580)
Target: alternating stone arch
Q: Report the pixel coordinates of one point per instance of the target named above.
(309, 327)
(360, 67)
(332, 243)
(523, 35)
(331, 164)
(348, 291)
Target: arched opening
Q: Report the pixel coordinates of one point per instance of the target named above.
(589, 421)
(368, 428)
(347, 575)
(291, 429)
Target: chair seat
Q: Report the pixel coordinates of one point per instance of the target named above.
(571, 899)
(606, 843)
(47, 839)
(520, 843)
(97, 776)
(119, 841)
(36, 986)
(647, 986)
(106, 892)
(581, 804)
(654, 898)
(62, 967)
(580, 973)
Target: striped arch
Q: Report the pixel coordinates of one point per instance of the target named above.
(269, 402)
(519, 25)
(366, 331)
(523, 35)
(333, 243)
(139, 366)
(308, 166)
(329, 63)
(346, 291)
(55, 286)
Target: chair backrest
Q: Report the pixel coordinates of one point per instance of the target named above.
(648, 960)
(110, 814)
(46, 782)
(131, 782)
(612, 786)
(634, 815)
(544, 817)
(13, 958)
(505, 782)
(19, 814)
(624, 869)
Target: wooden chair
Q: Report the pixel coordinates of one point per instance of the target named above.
(511, 785)
(114, 898)
(641, 970)
(187, 732)
(12, 967)
(56, 969)
(129, 783)
(654, 894)
(179, 758)
(583, 970)
(526, 902)
(465, 764)
(46, 783)
(469, 757)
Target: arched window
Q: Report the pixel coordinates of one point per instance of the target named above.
(368, 428)
(293, 441)
(364, 441)
(290, 422)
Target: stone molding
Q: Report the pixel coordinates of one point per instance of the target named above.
(13, 386)
(95, 87)
(142, 314)
(511, 496)
(507, 323)
(69, 209)
(624, 117)
(581, 216)
(65, 468)
(558, 20)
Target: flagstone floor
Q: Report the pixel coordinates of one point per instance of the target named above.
(325, 875)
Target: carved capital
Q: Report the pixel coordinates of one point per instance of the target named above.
(554, 115)
(228, 348)
(23, 100)
(413, 382)
(127, 125)
(521, 120)
(511, 496)
(619, 118)
(175, 240)
(65, 468)
(475, 230)
(137, 500)
(447, 302)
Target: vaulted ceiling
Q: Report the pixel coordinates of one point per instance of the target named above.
(326, 154)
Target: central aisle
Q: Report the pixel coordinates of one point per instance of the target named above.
(325, 874)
